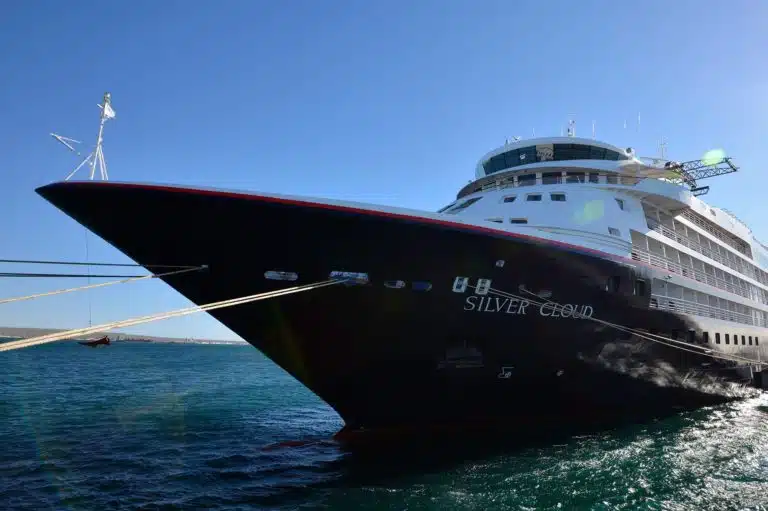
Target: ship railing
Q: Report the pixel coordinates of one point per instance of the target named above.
(684, 240)
(667, 264)
(717, 231)
(583, 178)
(587, 236)
(682, 306)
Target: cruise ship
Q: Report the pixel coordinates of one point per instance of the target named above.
(570, 281)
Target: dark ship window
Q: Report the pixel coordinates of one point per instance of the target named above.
(692, 336)
(717, 338)
(620, 203)
(463, 205)
(534, 197)
(497, 220)
(743, 340)
(551, 178)
(281, 275)
(614, 232)
(574, 177)
(518, 220)
(526, 180)
(706, 338)
(612, 286)
(757, 342)
(510, 198)
(557, 197)
(446, 207)
(640, 287)
(594, 178)
(750, 340)
(394, 284)
(549, 152)
(421, 286)
(727, 339)
(611, 179)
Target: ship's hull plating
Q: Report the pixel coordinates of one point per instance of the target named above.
(387, 357)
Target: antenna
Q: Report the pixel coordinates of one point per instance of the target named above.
(593, 129)
(97, 156)
(663, 148)
(571, 127)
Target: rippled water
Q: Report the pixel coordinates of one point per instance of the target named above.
(191, 427)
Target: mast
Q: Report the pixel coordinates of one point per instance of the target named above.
(95, 158)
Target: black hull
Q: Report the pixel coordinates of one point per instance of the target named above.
(391, 358)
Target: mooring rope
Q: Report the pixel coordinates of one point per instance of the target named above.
(65, 275)
(85, 263)
(672, 343)
(102, 284)
(44, 339)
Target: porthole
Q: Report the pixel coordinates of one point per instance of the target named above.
(421, 286)
(281, 275)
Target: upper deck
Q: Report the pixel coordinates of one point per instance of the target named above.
(668, 186)
(549, 149)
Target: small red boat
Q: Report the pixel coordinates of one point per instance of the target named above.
(103, 341)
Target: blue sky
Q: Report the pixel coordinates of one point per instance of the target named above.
(387, 102)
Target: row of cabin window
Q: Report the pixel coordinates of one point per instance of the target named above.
(554, 197)
(735, 339)
(554, 178)
(551, 178)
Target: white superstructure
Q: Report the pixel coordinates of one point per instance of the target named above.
(705, 262)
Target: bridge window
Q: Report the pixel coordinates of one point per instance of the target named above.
(612, 179)
(510, 198)
(557, 197)
(594, 178)
(551, 178)
(533, 197)
(463, 205)
(549, 152)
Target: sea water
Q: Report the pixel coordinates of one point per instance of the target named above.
(164, 426)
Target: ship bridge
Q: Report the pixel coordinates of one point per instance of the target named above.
(554, 151)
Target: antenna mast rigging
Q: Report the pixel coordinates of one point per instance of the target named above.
(95, 158)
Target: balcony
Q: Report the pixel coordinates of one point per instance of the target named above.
(681, 306)
(671, 266)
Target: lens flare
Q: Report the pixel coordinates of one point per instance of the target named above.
(713, 157)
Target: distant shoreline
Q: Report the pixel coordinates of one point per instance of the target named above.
(26, 333)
